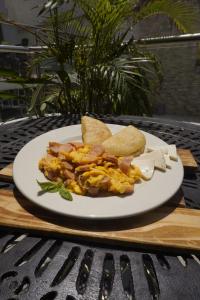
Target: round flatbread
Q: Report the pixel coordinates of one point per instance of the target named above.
(128, 141)
(94, 131)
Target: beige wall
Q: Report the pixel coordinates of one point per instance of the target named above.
(20, 11)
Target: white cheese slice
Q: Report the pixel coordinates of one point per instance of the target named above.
(145, 165)
(158, 158)
(172, 152)
(167, 161)
(163, 149)
(169, 149)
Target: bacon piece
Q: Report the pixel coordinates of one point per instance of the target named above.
(55, 148)
(96, 150)
(67, 182)
(84, 168)
(61, 156)
(51, 175)
(67, 165)
(102, 185)
(93, 191)
(66, 148)
(93, 155)
(110, 157)
(105, 183)
(88, 159)
(124, 163)
(77, 145)
(68, 174)
(47, 159)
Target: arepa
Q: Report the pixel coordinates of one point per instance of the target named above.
(94, 131)
(128, 141)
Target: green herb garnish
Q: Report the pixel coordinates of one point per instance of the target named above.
(64, 193)
(53, 187)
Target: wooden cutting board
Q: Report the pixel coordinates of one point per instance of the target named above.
(171, 225)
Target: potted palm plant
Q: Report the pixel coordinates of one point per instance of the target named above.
(98, 67)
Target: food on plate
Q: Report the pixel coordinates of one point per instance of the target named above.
(102, 163)
(128, 141)
(169, 150)
(89, 169)
(158, 158)
(94, 131)
(53, 187)
(145, 165)
(167, 161)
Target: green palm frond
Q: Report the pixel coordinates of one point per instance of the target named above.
(50, 4)
(40, 59)
(121, 72)
(68, 24)
(45, 99)
(50, 102)
(182, 14)
(106, 20)
(36, 98)
(117, 82)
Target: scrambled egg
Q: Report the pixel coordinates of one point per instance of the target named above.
(84, 172)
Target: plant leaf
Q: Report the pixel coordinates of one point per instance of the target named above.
(64, 193)
(36, 96)
(184, 15)
(50, 187)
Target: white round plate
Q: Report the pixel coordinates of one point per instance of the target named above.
(147, 195)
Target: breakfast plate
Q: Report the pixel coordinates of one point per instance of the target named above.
(147, 195)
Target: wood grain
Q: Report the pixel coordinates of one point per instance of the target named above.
(187, 158)
(164, 227)
(171, 225)
(6, 174)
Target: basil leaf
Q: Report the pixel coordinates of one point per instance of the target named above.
(50, 187)
(64, 193)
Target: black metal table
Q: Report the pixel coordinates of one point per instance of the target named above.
(37, 267)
